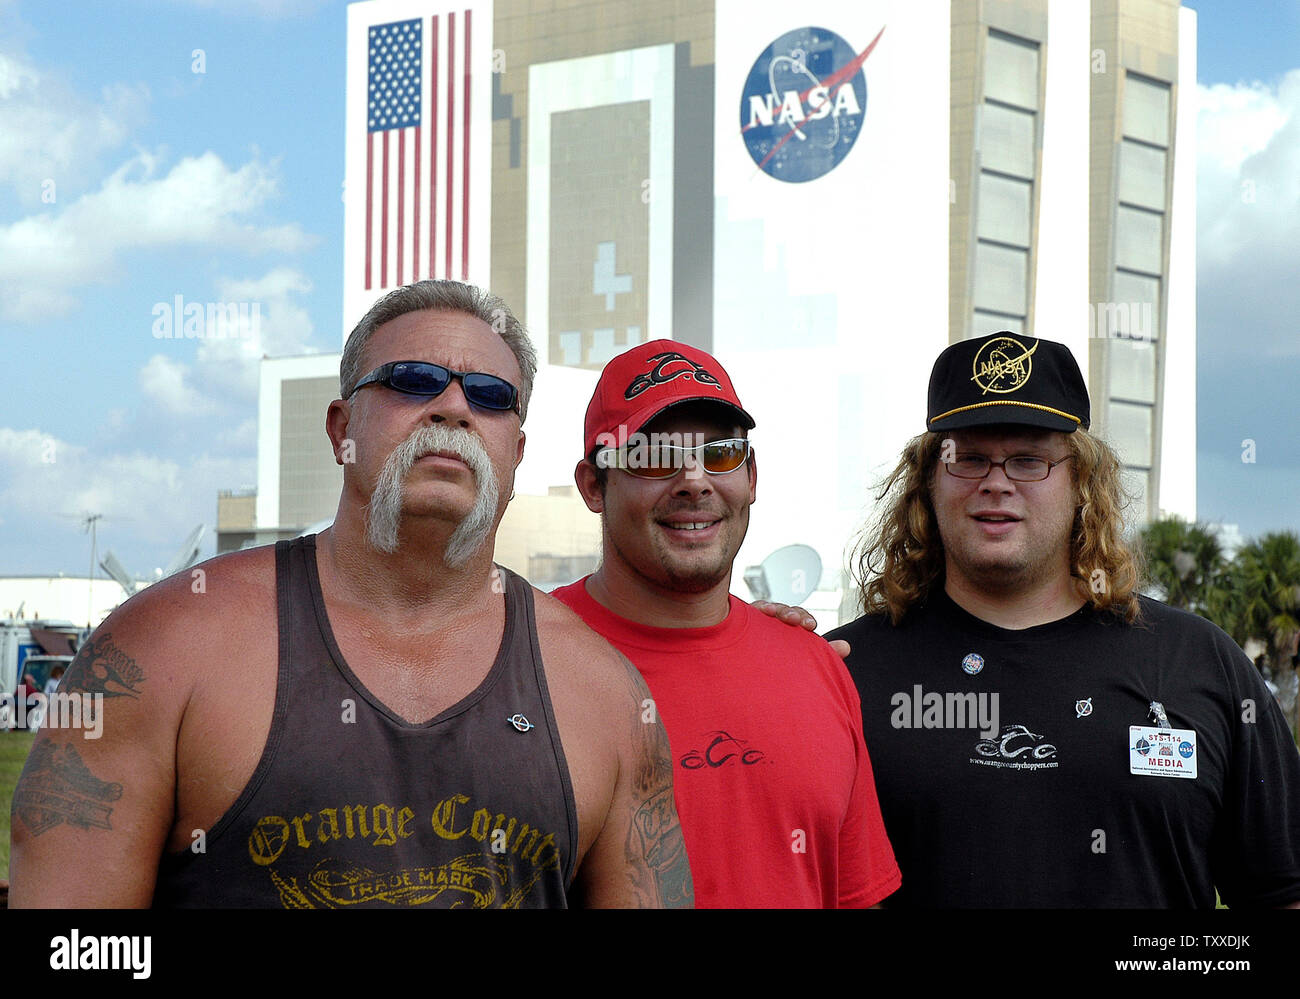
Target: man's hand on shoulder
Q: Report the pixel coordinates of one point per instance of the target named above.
(798, 617)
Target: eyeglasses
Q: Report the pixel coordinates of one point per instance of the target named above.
(1021, 468)
(427, 379)
(663, 461)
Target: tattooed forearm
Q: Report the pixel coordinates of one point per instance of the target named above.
(57, 787)
(656, 836)
(656, 852)
(103, 668)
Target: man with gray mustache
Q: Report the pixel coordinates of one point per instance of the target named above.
(377, 715)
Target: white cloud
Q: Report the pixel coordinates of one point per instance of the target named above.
(149, 503)
(284, 326)
(1248, 166)
(199, 202)
(268, 320)
(166, 383)
(242, 438)
(52, 133)
(270, 9)
(1248, 242)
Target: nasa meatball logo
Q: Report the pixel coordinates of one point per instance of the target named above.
(972, 664)
(803, 104)
(1002, 364)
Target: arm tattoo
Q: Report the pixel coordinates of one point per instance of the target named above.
(102, 668)
(57, 787)
(656, 852)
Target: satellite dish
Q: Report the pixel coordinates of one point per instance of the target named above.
(787, 576)
(112, 565)
(188, 552)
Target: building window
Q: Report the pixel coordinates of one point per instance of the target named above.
(1146, 109)
(1139, 239)
(1132, 371)
(1130, 431)
(1136, 306)
(1007, 140)
(1133, 317)
(1143, 194)
(1004, 206)
(1011, 70)
(984, 322)
(1001, 278)
(1142, 175)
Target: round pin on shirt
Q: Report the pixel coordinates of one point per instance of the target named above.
(972, 664)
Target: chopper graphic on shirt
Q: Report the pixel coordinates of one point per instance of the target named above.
(1017, 748)
(720, 749)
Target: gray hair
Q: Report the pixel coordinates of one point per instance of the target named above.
(441, 296)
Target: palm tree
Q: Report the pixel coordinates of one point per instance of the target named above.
(1185, 565)
(1269, 577)
(1267, 597)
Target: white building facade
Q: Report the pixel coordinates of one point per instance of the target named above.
(823, 196)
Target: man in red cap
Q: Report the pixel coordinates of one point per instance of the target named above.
(773, 783)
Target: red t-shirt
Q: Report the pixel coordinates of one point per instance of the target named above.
(772, 780)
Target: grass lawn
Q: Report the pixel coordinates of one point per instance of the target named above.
(13, 754)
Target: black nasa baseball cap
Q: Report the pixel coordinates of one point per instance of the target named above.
(1007, 378)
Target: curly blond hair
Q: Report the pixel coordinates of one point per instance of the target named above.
(898, 563)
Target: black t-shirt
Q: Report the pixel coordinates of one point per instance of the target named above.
(1037, 806)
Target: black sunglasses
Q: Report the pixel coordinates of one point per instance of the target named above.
(428, 379)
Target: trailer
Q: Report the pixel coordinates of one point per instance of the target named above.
(31, 646)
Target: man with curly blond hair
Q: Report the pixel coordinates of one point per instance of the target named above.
(1042, 734)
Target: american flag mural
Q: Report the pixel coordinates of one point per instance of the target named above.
(418, 157)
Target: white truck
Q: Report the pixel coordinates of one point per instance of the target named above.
(23, 651)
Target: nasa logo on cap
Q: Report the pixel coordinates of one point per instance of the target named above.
(803, 104)
(1002, 364)
(1007, 378)
(973, 663)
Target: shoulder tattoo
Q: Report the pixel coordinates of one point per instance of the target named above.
(100, 667)
(58, 787)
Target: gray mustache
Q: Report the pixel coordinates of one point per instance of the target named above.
(384, 513)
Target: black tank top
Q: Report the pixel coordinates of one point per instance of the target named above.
(352, 806)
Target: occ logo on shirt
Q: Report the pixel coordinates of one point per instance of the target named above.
(721, 749)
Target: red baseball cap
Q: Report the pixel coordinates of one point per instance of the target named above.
(641, 383)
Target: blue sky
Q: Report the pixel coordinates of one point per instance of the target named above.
(225, 186)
